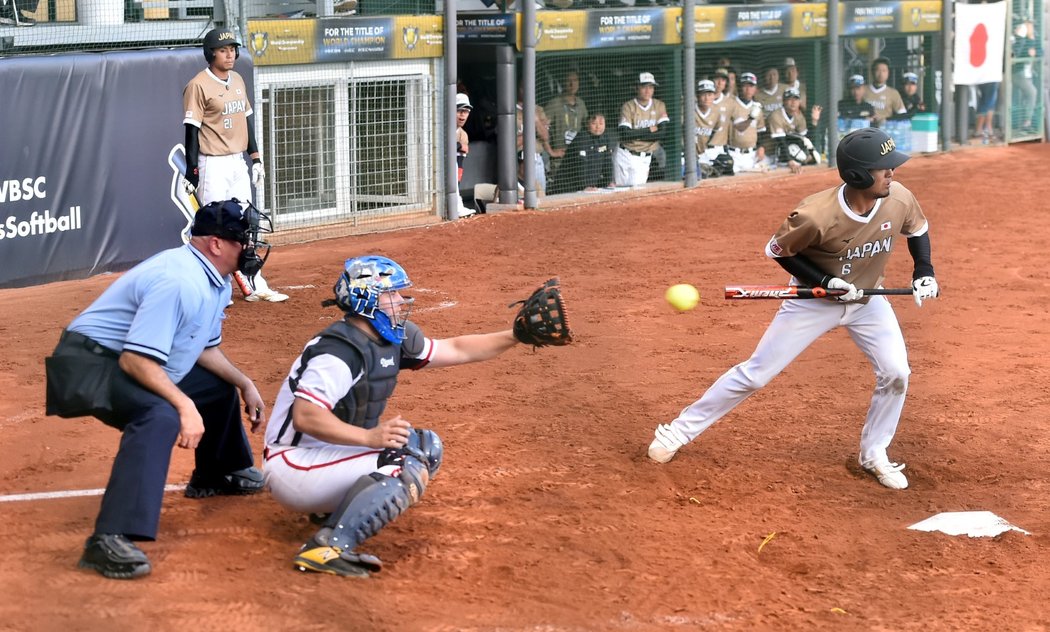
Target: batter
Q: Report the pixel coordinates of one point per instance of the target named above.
(840, 238)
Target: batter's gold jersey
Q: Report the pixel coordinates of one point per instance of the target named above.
(853, 247)
(885, 100)
(637, 116)
(221, 110)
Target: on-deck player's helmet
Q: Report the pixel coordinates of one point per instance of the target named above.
(865, 149)
(217, 38)
(363, 281)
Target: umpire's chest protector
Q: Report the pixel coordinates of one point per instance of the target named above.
(365, 402)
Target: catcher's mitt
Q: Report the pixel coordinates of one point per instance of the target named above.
(541, 320)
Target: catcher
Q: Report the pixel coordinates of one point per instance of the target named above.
(329, 453)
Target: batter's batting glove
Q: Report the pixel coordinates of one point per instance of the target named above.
(852, 293)
(258, 173)
(923, 288)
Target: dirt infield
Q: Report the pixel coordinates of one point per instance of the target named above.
(546, 514)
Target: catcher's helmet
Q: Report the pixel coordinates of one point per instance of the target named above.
(217, 38)
(363, 281)
(863, 150)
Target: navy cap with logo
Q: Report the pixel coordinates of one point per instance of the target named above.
(749, 77)
(855, 81)
(226, 219)
(792, 93)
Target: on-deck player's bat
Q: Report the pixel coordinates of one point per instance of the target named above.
(177, 159)
(793, 292)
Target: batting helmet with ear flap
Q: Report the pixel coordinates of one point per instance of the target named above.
(865, 149)
(723, 164)
(217, 38)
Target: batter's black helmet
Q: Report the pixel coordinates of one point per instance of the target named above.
(217, 38)
(863, 150)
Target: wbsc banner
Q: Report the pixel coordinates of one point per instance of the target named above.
(88, 181)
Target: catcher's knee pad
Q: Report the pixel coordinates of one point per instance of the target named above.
(426, 446)
(370, 504)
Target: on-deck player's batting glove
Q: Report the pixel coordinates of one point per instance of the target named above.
(189, 183)
(852, 293)
(923, 288)
(258, 173)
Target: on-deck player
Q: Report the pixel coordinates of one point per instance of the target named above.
(840, 238)
(219, 130)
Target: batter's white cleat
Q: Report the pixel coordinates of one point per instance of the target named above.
(665, 445)
(889, 474)
(268, 295)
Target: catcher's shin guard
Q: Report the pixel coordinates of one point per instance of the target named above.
(374, 501)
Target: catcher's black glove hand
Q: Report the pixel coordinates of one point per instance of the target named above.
(542, 320)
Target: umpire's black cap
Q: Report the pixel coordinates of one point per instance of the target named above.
(226, 219)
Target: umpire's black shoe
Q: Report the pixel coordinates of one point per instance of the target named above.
(115, 557)
(239, 483)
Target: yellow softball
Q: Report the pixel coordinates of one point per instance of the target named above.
(682, 297)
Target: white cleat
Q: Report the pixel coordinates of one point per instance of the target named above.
(889, 474)
(268, 295)
(665, 445)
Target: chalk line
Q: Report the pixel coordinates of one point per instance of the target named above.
(70, 493)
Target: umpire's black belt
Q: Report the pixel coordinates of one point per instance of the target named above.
(643, 154)
(72, 338)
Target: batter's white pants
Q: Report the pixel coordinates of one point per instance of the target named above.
(874, 329)
(630, 170)
(315, 480)
(222, 178)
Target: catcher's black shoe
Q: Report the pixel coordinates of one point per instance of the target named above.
(321, 558)
(239, 483)
(115, 557)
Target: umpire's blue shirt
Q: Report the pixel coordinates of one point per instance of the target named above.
(169, 308)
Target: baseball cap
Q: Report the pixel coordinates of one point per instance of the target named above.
(792, 93)
(226, 219)
(855, 80)
(722, 72)
(749, 77)
(647, 77)
(911, 77)
(789, 62)
(463, 102)
(705, 85)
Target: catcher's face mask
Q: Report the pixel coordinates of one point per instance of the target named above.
(370, 287)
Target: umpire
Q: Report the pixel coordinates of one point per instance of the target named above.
(144, 358)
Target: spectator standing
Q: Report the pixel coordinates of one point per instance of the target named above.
(885, 99)
(987, 99)
(643, 122)
(542, 144)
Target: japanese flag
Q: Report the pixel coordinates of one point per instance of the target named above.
(980, 36)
